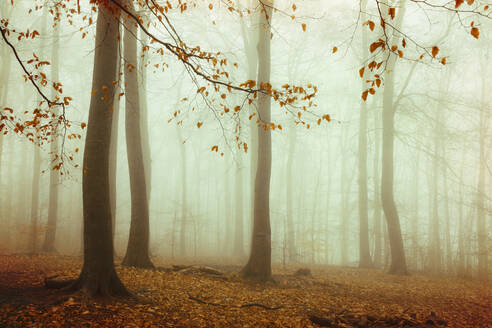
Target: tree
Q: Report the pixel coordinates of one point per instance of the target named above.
(98, 276)
(137, 253)
(50, 236)
(259, 263)
(398, 263)
(364, 252)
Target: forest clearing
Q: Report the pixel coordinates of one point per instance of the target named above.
(343, 297)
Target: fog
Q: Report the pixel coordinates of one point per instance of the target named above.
(201, 201)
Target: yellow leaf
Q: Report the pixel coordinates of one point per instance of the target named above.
(304, 27)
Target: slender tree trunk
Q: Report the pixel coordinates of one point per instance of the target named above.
(481, 228)
(113, 147)
(259, 264)
(50, 237)
(378, 249)
(137, 253)
(291, 243)
(35, 200)
(364, 252)
(238, 250)
(435, 236)
(184, 193)
(416, 202)
(398, 264)
(98, 276)
(250, 39)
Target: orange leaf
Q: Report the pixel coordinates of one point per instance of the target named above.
(304, 27)
(475, 32)
(435, 51)
(364, 95)
(391, 12)
(199, 124)
(335, 49)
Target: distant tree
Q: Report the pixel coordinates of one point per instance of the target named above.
(50, 236)
(364, 250)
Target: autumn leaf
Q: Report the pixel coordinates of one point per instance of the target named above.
(304, 27)
(435, 51)
(335, 49)
(83, 125)
(361, 72)
(458, 3)
(475, 32)
(391, 12)
(364, 95)
(199, 124)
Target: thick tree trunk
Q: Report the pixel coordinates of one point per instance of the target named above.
(50, 237)
(259, 264)
(98, 276)
(137, 252)
(364, 252)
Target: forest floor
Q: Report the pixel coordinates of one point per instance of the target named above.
(183, 296)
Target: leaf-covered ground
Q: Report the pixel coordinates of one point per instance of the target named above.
(194, 297)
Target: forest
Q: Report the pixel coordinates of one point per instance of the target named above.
(245, 163)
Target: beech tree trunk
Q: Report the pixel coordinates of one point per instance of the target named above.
(98, 276)
(291, 248)
(36, 171)
(137, 252)
(364, 252)
(398, 262)
(378, 247)
(238, 250)
(481, 228)
(259, 263)
(50, 236)
(113, 147)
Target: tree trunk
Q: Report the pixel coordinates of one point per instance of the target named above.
(113, 147)
(259, 263)
(398, 263)
(184, 193)
(35, 200)
(291, 246)
(98, 276)
(137, 252)
(482, 233)
(238, 250)
(378, 247)
(50, 237)
(364, 253)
